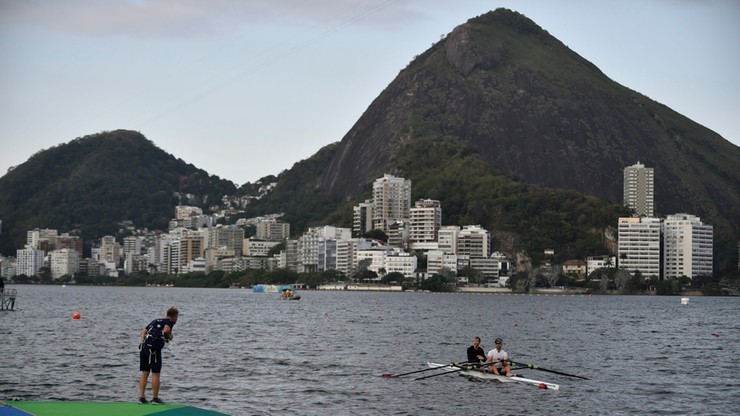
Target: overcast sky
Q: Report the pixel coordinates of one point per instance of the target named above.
(243, 89)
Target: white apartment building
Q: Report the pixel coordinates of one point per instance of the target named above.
(488, 266)
(110, 251)
(313, 241)
(215, 256)
(639, 245)
(424, 224)
(133, 263)
(346, 256)
(688, 246)
(362, 217)
(7, 267)
(258, 248)
(64, 262)
(437, 259)
(639, 189)
(598, 262)
(132, 244)
(391, 259)
(474, 241)
(29, 260)
(272, 230)
(398, 234)
(288, 258)
(226, 236)
(391, 201)
(447, 239)
(398, 261)
(40, 238)
(184, 211)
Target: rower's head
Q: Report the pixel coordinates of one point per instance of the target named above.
(476, 341)
(498, 342)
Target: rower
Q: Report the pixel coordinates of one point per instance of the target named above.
(476, 352)
(498, 359)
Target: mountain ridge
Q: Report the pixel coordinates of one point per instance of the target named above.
(512, 130)
(543, 114)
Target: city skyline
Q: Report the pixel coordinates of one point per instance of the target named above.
(197, 78)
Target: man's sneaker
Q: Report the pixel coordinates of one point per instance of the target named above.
(157, 400)
(142, 400)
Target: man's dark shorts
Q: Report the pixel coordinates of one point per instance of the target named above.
(150, 360)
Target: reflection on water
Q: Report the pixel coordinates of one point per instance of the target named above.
(244, 353)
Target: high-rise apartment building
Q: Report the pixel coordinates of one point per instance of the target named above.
(272, 230)
(424, 224)
(474, 241)
(391, 201)
(639, 191)
(447, 239)
(362, 218)
(314, 253)
(639, 245)
(110, 250)
(29, 260)
(231, 237)
(64, 262)
(687, 246)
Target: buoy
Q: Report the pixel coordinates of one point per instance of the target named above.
(684, 301)
(76, 315)
(543, 386)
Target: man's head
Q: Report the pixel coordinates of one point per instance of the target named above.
(172, 314)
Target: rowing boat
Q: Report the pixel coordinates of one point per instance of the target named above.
(489, 376)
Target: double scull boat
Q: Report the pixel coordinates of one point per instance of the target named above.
(464, 371)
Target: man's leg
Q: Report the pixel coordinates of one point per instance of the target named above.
(142, 382)
(155, 384)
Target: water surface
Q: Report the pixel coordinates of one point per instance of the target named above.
(253, 354)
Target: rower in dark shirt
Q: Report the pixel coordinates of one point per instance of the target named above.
(476, 352)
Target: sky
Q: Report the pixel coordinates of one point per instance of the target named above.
(245, 89)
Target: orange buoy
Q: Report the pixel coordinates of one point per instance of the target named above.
(76, 315)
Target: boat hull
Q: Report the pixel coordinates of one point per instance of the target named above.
(488, 376)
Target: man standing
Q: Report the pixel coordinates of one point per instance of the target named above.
(475, 351)
(498, 359)
(153, 338)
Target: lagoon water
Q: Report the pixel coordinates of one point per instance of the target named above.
(243, 353)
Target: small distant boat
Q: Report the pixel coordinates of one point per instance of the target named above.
(289, 295)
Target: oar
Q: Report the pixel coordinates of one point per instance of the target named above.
(536, 367)
(467, 367)
(427, 369)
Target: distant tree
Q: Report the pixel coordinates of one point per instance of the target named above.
(474, 275)
(393, 277)
(361, 270)
(448, 275)
(436, 283)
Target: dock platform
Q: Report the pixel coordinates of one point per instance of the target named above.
(7, 299)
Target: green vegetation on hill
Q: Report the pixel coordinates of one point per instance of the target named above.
(91, 184)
